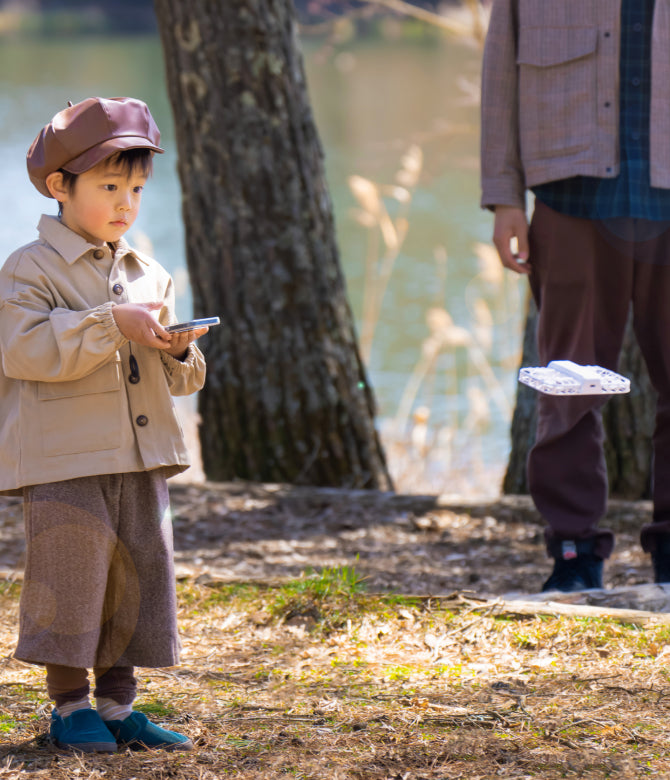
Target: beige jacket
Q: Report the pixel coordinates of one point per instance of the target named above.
(550, 95)
(67, 407)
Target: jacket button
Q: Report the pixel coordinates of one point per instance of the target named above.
(118, 289)
(142, 420)
(99, 254)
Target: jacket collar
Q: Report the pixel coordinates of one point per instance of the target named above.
(71, 246)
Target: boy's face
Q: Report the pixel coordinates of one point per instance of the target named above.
(104, 202)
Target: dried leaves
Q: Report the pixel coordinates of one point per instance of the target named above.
(367, 687)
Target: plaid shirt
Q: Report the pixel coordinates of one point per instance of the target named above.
(630, 193)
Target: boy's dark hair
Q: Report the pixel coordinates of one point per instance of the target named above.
(131, 160)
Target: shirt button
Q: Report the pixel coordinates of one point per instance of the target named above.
(607, 35)
(637, 27)
(118, 289)
(607, 104)
(635, 136)
(99, 254)
(142, 420)
(635, 82)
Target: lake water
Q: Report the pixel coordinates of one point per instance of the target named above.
(376, 103)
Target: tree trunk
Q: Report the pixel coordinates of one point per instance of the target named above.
(628, 421)
(629, 426)
(286, 398)
(524, 419)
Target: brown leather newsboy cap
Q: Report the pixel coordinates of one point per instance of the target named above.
(82, 135)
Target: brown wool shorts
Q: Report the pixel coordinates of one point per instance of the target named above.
(99, 586)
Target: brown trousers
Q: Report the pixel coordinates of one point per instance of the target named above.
(67, 684)
(584, 277)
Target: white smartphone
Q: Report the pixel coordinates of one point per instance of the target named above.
(206, 322)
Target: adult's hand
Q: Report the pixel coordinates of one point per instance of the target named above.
(510, 222)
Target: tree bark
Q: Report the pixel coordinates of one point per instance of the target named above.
(628, 421)
(287, 397)
(629, 427)
(524, 419)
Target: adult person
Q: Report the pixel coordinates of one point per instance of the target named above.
(576, 108)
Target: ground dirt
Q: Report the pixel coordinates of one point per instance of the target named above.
(334, 634)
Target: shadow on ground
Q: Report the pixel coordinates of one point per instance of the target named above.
(404, 543)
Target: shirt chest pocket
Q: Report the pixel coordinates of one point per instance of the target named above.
(83, 415)
(557, 90)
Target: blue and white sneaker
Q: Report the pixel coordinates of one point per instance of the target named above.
(82, 730)
(138, 733)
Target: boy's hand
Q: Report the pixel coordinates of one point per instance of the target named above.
(511, 222)
(137, 324)
(180, 341)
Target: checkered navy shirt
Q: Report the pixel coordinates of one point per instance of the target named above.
(629, 194)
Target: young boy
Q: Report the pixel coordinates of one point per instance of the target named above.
(88, 431)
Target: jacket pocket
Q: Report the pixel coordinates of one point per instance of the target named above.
(83, 415)
(557, 90)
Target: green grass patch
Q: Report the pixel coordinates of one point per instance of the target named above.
(157, 708)
(10, 589)
(328, 597)
(202, 598)
(7, 724)
(328, 582)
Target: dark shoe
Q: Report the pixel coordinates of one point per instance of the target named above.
(138, 733)
(577, 569)
(83, 730)
(661, 559)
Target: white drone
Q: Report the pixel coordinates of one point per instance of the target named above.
(563, 377)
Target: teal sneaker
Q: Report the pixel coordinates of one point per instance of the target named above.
(138, 733)
(83, 730)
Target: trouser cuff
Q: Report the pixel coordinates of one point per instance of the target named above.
(600, 544)
(655, 537)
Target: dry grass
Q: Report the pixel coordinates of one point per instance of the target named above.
(431, 445)
(316, 679)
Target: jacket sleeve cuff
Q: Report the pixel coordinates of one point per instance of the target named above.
(503, 194)
(174, 366)
(107, 320)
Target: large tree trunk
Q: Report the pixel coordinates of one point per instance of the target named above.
(628, 422)
(287, 398)
(524, 419)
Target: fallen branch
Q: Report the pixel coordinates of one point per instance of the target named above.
(557, 609)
